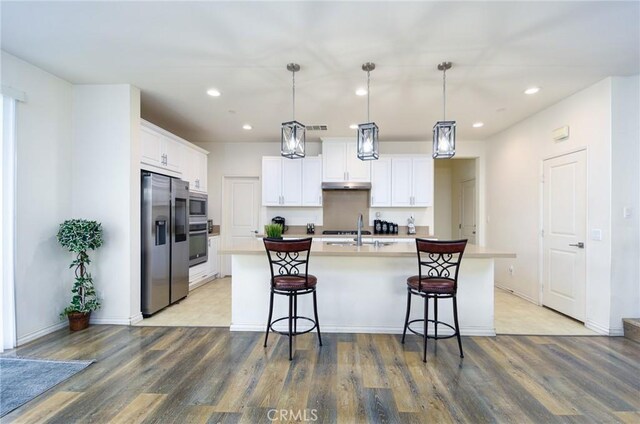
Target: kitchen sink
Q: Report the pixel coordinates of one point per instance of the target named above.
(353, 243)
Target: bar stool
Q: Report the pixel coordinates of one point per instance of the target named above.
(289, 263)
(438, 266)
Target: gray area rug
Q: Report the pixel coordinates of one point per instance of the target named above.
(22, 379)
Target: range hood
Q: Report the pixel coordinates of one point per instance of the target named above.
(354, 185)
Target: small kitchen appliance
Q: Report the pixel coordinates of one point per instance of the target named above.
(311, 228)
(411, 227)
(280, 220)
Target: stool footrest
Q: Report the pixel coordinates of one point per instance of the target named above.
(435, 323)
(293, 333)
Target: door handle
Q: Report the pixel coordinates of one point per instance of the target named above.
(579, 245)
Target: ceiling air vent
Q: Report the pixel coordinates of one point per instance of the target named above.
(316, 127)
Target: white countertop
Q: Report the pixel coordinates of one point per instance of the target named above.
(399, 249)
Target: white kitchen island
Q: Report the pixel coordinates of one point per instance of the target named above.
(361, 289)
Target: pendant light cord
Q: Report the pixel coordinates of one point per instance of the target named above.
(293, 73)
(368, 93)
(444, 95)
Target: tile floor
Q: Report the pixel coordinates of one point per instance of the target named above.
(210, 306)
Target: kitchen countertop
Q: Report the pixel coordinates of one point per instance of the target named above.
(367, 236)
(399, 249)
(214, 234)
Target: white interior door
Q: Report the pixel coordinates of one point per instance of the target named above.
(468, 210)
(240, 211)
(564, 230)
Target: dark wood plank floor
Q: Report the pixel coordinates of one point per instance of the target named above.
(199, 375)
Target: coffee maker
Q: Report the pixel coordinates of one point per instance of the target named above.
(280, 220)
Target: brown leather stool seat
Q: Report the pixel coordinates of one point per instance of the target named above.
(294, 282)
(438, 266)
(289, 266)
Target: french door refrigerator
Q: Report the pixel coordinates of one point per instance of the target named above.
(165, 241)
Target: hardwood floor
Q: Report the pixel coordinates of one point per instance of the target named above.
(198, 375)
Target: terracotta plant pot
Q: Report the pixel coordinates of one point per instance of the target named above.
(78, 320)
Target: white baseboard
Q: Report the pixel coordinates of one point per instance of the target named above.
(37, 334)
(136, 318)
(520, 295)
(469, 331)
(194, 285)
(605, 331)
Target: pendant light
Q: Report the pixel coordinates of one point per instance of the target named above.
(368, 133)
(293, 132)
(444, 132)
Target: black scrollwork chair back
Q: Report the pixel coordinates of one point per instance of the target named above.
(289, 260)
(439, 261)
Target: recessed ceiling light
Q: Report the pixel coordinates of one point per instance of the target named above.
(361, 92)
(532, 90)
(478, 124)
(213, 92)
(353, 126)
(247, 127)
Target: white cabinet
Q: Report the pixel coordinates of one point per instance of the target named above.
(281, 181)
(381, 182)
(158, 150)
(213, 259)
(340, 162)
(166, 153)
(412, 181)
(312, 181)
(194, 169)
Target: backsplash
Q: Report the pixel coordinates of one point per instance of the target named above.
(342, 207)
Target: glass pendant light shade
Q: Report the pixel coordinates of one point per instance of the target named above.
(368, 133)
(444, 139)
(293, 133)
(444, 132)
(368, 141)
(292, 141)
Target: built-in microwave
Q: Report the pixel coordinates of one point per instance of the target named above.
(198, 206)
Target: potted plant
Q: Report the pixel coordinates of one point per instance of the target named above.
(273, 231)
(80, 235)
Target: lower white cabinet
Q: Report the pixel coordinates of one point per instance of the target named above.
(214, 259)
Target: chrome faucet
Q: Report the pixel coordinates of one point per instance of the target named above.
(359, 235)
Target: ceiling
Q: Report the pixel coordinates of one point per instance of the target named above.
(175, 51)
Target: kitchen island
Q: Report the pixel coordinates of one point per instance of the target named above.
(361, 289)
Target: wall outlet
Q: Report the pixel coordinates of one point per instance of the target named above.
(627, 211)
(511, 270)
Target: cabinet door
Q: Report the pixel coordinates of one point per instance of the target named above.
(312, 181)
(150, 147)
(357, 170)
(291, 182)
(422, 181)
(271, 181)
(333, 161)
(213, 259)
(200, 168)
(381, 182)
(173, 151)
(189, 166)
(401, 194)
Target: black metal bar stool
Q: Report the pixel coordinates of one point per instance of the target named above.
(438, 266)
(289, 264)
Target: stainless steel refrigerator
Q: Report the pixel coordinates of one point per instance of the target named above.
(165, 241)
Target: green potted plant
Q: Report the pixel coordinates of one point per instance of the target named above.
(273, 231)
(78, 236)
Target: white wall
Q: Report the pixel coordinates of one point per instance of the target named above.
(106, 188)
(44, 186)
(625, 179)
(442, 222)
(514, 164)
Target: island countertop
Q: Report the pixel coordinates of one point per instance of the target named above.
(396, 249)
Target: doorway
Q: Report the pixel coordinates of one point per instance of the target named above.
(564, 233)
(240, 213)
(456, 199)
(467, 225)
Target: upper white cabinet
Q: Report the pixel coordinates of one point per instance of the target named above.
(381, 182)
(158, 150)
(195, 169)
(312, 181)
(340, 162)
(411, 181)
(291, 182)
(281, 181)
(166, 153)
